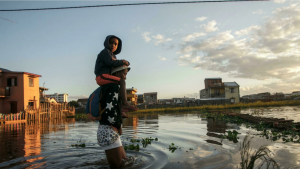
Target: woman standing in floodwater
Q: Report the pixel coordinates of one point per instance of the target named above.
(110, 128)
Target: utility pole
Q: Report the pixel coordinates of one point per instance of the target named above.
(44, 90)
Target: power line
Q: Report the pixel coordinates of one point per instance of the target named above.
(113, 5)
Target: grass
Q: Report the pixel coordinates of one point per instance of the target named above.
(209, 107)
(226, 106)
(250, 156)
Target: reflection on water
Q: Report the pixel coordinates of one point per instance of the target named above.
(47, 144)
(25, 139)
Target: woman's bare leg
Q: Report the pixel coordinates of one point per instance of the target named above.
(114, 156)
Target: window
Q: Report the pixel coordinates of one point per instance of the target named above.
(232, 90)
(11, 81)
(30, 82)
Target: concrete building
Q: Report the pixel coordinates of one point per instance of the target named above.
(232, 92)
(296, 93)
(165, 101)
(131, 96)
(59, 97)
(140, 98)
(18, 91)
(150, 98)
(82, 102)
(287, 95)
(215, 88)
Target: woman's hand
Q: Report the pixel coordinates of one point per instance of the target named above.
(90, 117)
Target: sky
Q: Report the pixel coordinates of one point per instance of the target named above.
(171, 48)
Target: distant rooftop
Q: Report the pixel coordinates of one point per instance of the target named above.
(131, 89)
(30, 74)
(213, 99)
(213, 78)
(4, 70)
(233, 84)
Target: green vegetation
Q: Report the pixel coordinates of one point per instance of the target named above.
(172, 148)
(231, 136)
(132, 147)
(250, 156)
(226, 106)
(80, 144)
(74, 103)
(144, 141)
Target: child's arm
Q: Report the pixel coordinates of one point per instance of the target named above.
(107, 59)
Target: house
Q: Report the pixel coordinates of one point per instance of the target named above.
(287, 95)
(42, 90)
(232, 92)
(150, 98)
(183, 100)
(140, 98)
(165, 101)
(265, 95)
(131, 96)
(82, 102)
(277, 96)
(296, 93)
(18, 91)
(59, 97)
(215, 88)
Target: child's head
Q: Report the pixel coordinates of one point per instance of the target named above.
(120, 72)
(113, 44)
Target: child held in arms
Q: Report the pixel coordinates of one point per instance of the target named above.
(105, 61)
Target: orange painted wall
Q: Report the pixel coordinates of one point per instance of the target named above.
(16, 92)
(31, 93)
(21, 93)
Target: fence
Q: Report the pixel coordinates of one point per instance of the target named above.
(44, 112)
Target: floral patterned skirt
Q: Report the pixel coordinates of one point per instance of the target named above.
(107, 137)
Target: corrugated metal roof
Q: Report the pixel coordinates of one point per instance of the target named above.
(213, 99)
(213, 78)
(233, 84)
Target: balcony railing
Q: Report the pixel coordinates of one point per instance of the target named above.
(4, 91)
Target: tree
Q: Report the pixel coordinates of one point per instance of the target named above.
(74, 103)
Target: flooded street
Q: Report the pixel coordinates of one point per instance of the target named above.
(48, 144)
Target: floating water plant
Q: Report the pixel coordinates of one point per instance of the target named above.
(132, 147)
(231, 136)
(80, 144)
(250, 156)
(172, 148)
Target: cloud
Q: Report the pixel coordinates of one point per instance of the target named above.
(192, 36)
(146, 36)
(160, 39)
(246, 31)
(279, 1)
(269, 51)
(210, 26)
(258, 12)
(273, 87)
(161, 58)
(200, 18)
(77, 97)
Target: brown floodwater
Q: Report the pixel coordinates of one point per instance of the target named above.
(48, 144)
